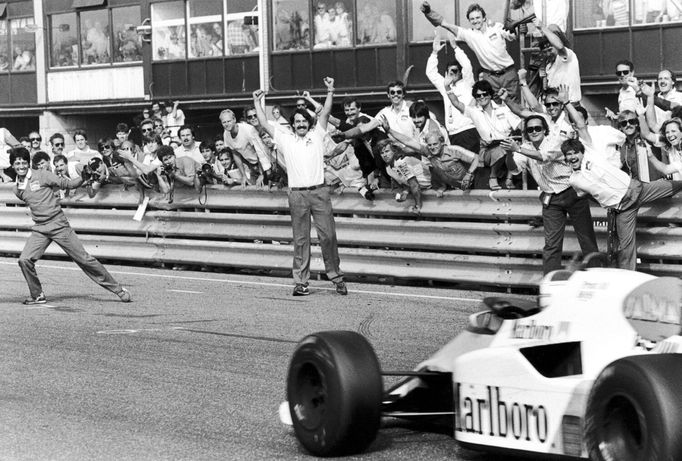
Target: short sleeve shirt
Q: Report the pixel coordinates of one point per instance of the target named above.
(304, 156)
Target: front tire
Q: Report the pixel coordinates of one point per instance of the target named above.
(634, 411)
(334, 389)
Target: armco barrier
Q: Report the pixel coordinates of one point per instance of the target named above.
(476, 237)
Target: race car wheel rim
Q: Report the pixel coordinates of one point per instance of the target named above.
(311, 403)
(623, 436)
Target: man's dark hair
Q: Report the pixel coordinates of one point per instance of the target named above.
(104, 142)
(393, 83)
(348, 100)
(482, 85)
(156, 120)
(545, 125)
(164, 151)
(122, 128)
(59, 158)
(186, 127)
(80, 133)
(625, 62)
(453, 63)
(19, 152)
(475, 7)
(226, 150)
(572, 144)
(24, 139)
(419, 109)
(56, 136)
(305, 114)
(38, 157)
(208, 145)
(147, 121)
(248, 108)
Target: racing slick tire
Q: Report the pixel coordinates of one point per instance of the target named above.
(634, 411)
(334, 389)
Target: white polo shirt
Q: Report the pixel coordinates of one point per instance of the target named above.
(304, 156)
(399, 119)
(663, 115)
(194, 153)
(606, 142)
(493, 126)
(490, 46)
(606, 183)
(628, 100)
(565, 71)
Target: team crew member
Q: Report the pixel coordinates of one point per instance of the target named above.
(303, 152)
(488, 42)
(35, 188)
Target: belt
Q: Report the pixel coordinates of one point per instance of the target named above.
(318, 186)
(499, 72)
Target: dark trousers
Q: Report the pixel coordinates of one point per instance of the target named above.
(303, 204)
(554, 217)
(468, 139)
(59, 231)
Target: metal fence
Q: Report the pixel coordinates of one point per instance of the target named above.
(476, 237)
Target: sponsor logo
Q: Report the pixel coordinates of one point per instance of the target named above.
(487, 413)
(652, 308)
(533, 330)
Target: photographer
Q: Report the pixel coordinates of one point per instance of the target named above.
(94, 175)
(227, 167)
(183, 170)
(212, 172)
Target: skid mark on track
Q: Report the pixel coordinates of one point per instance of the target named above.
(365, 327)
(234, 335)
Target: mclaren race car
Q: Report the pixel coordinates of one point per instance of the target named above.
(592, 369)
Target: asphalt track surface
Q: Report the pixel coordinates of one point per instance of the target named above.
(195, 367)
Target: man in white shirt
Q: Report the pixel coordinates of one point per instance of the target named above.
(562, 66)
(627, 96)
(668, 93)
(488, 42)
(461, 129)
(303, 152)
(189, 147)
(398, 113)
(252, 160)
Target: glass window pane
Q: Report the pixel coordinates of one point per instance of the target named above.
(421, 29)
(64, 43)
(23, 44)
(205, 28)
(494, 11)
(95, 37)
(241, 33)
(602, 13)
(333, 24)
(292, 25)
(376, 21)
(127, 44)
(4, 47)
(168, 30)
(651, 11)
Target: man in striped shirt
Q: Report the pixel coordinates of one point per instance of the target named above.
(559, 200)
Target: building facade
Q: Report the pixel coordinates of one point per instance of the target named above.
(70, 64)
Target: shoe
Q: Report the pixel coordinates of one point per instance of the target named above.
(301, 290)
(124, 295)
(40, 299)
(493, 184)
(341, 288)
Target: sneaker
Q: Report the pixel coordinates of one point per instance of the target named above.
(124, 295)
(40, 299)
(301, 290)
(341, 288)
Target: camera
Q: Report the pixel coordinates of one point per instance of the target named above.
(207, 174)
(91, 171)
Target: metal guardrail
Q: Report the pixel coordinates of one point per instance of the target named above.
(475, 237)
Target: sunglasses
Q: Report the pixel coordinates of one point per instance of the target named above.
(454, 70)
(553, 104)
(630, 121)
(534, 129)
(300, 105)
(106, 147)
(58, 144)
(252, 116)
(482, 95)
(36, 139)
(395, 92)
(124, 148)
(622, 73)
(158, 126)
(147, 129)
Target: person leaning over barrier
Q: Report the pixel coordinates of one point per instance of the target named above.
(34, 187)
(303, 152)
(180, 169)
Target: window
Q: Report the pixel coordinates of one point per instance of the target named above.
(494, 11)
(64, 42)
(376, 22)
(603, 13)
(241, 34)
(127, 44)
(205, 28)
(333, 24)
(420, 29)
(168, 30)
(291, 25)
(653, 11)
(95, 37)
(22, 44)
(4, 48)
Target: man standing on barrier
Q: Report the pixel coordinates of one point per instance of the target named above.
(303, 152)
(34, 187)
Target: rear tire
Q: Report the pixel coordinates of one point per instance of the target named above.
(334, 389)
(634, 411)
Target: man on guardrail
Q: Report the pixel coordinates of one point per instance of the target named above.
(303, 152)
(34, 187)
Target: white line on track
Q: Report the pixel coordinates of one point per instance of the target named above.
(268, 284)
(187, 291)
(127, 332)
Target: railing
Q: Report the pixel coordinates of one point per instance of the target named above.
(477, 237)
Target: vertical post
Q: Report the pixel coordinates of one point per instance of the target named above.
(41, 57)
(264, 52)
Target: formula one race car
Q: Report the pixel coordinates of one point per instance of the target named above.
(591, 370)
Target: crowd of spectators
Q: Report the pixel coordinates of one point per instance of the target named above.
(496, 125)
